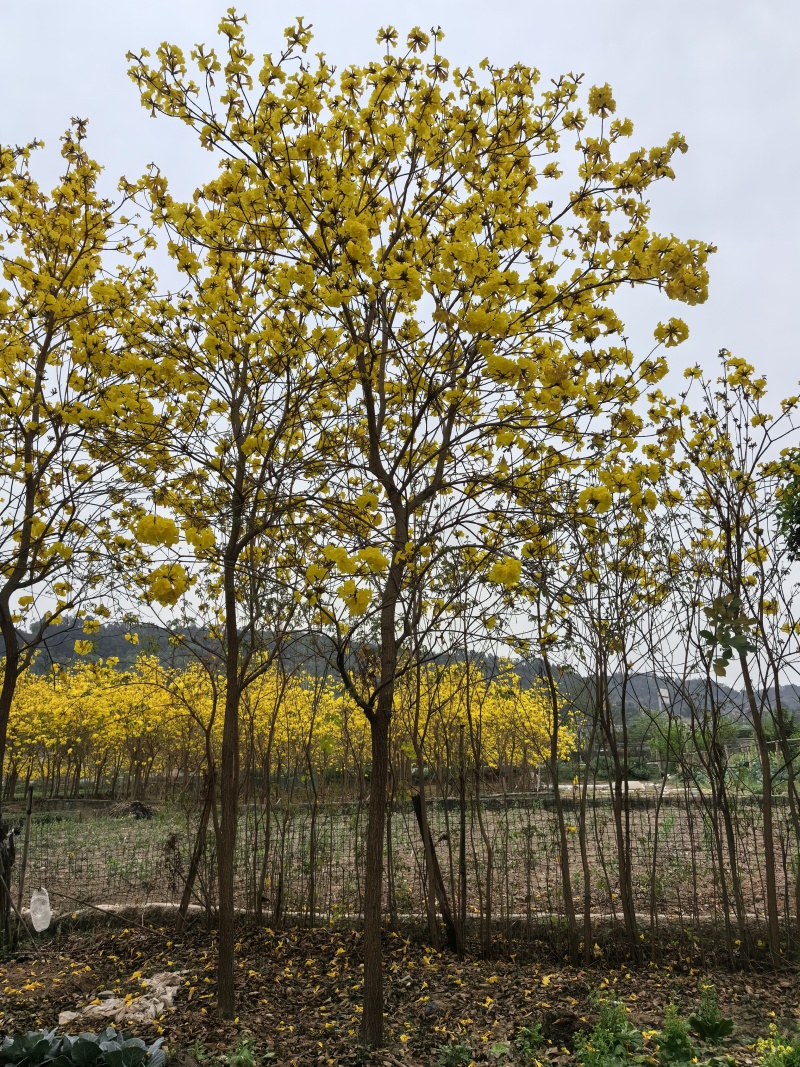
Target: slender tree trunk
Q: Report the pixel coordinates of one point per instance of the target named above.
(312, 845)
(379, 721)
(261, 888)
(583, 844)
(573, 940)
(462, 844)
(620, 811)
(486, 911)
(197, 853)
(421, 811)
(267, 790)
(773, 920)
(24, 864)
(794, 808)
(372, 1018)
(436, 886)
(391, 893)
(9, 683)
(229, 781)
(226, 850)
(10, 674)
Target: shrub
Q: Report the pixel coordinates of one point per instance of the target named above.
(775, 1051)
(529, 1040)
(455, 1056)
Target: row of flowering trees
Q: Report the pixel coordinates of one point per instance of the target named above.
(97, 730)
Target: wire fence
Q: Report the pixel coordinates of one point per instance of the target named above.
(696, 872)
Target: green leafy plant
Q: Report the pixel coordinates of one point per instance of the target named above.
(529, 1040)
(242, 1054)
(613, 1040)
(673, 1042)
(707, 1022)
(777, 1051)
(459, 1055)
(40, 1048)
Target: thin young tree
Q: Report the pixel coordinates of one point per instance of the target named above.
(216, 498)
(69, 317)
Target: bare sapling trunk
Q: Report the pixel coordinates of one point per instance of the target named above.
(229, 765)
(462, 844)
(583, 843)
(784, 737)
(372, 1019)
(226, 852)
(621, 811)
(476, 746)
(197, 854)
(573, 941)
(773, 918)
(421, 812)
(436, 886)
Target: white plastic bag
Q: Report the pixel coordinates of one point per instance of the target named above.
(40, 910)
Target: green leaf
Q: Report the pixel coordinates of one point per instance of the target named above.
(711, 1030)
(85, 1052)
(31, 1048)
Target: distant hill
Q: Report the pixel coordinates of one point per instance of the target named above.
(114, 640)
(645, 692)
(650, 692)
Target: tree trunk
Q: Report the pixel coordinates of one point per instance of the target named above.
(794, 809)
(573, 939)
(435, 879)
(24, 864)
(197, 853)
(261, 888)
(773, 917)
(372, 1018)
(421, 812)
(462, 845)
(226, 850)
(9, 682)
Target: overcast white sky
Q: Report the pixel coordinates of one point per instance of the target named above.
(726, 73)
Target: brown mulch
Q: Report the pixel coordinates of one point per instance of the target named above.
(299, 995)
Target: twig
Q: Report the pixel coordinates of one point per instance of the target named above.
(94, 907)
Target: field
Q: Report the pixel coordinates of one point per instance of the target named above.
(313, 872)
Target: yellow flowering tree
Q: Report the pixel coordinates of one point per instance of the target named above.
(67, 323)
(460, 296)
(218, 504)
(731, 455)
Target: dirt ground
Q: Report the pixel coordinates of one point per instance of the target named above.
(300, 991)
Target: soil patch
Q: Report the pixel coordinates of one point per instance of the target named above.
(300, 994)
